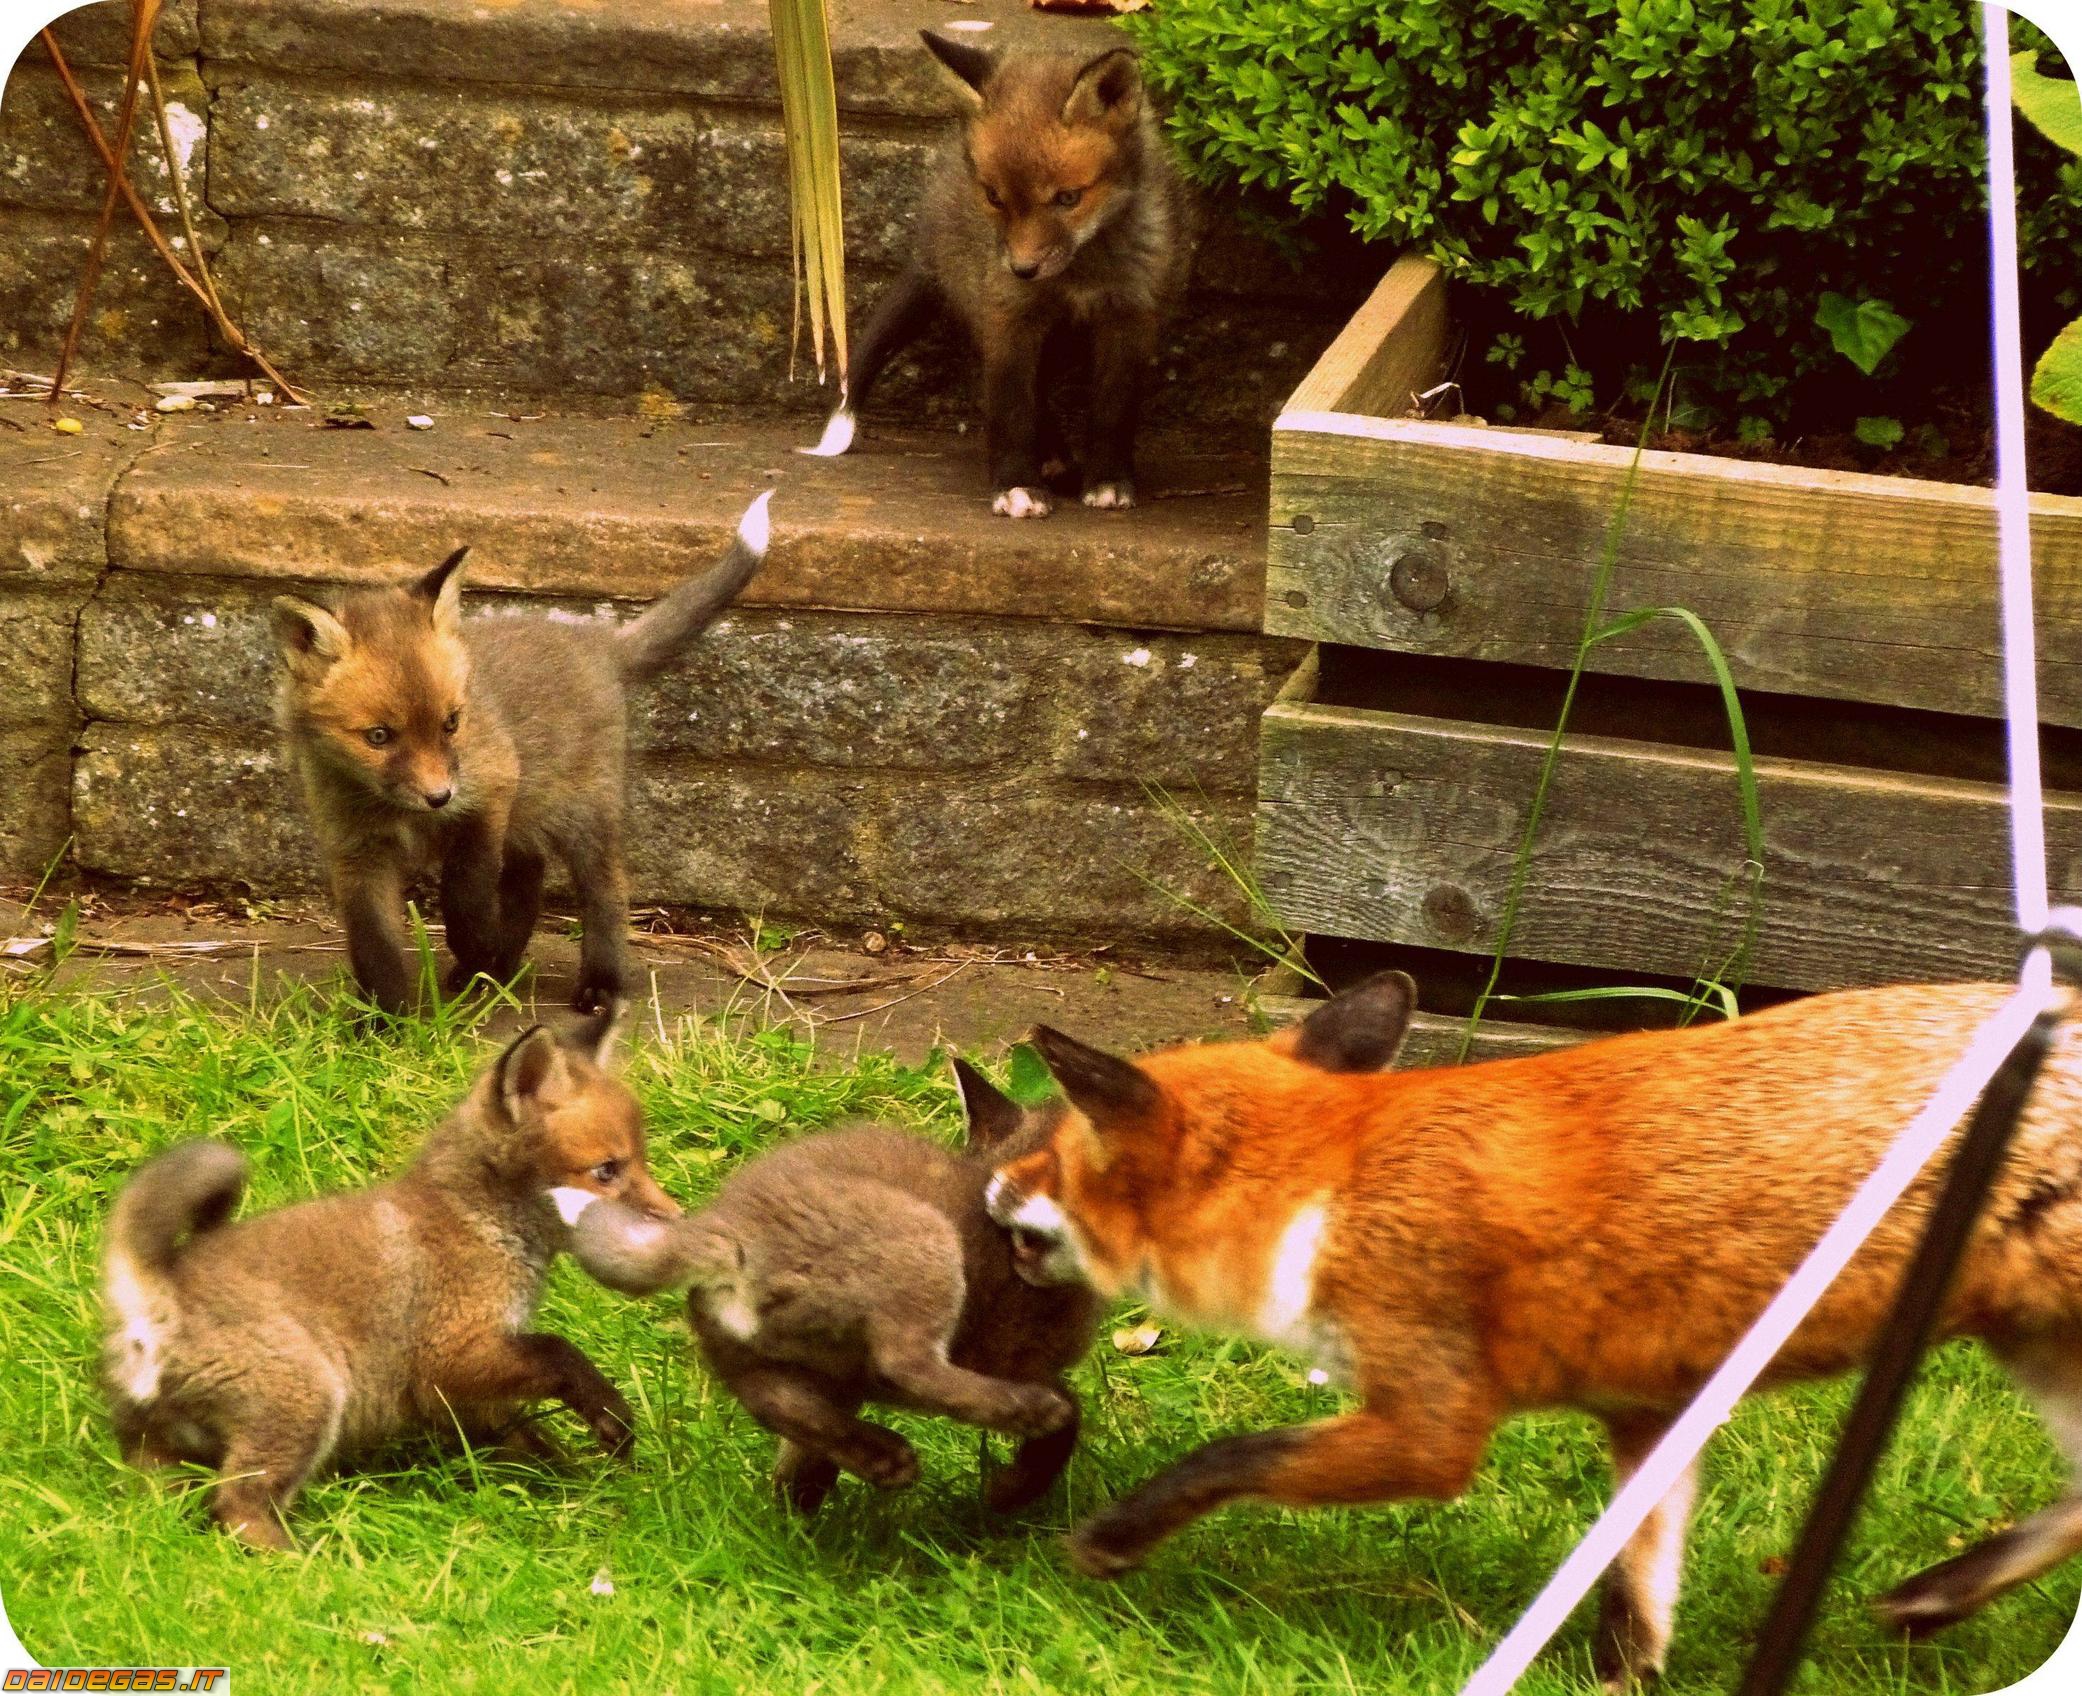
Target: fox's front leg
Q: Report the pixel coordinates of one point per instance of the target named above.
(1394, 1448)
(532, 1366)
(1012, 421)
(470, 883)
(1122, 347)
(369, 894)
(1035, 1465)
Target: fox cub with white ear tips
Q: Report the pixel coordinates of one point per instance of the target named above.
(1057, 224)
(859, 1266)
(269, 1347)
(1591, 1228)
(485, 749)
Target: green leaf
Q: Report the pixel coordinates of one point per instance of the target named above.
(2056, 383)
(1881, 432)
(1862, 330)
(2053, 106)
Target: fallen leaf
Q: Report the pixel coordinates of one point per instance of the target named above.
(1137, 1339)
(419, 421)
(67, 426)
(175, 403)
(603, 1585)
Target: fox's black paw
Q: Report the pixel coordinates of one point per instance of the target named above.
(1037, 1410)
(888, 1465)
(595, 994)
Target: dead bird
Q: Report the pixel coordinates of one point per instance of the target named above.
(268, 1347)
(859, 1266)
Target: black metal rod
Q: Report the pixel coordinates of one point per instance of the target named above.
(1863, 1439)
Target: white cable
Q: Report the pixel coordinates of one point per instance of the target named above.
(1925, 1134)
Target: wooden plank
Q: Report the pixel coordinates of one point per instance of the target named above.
(1393, 347)
(1482, 544)
(1394, 828)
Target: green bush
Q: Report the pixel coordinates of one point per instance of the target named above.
(1696, 170)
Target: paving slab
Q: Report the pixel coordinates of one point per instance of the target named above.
(627, 507)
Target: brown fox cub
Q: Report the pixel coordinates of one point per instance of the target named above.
(1591, 1228)
(1058, 219)
(486, 749)
(268, 1347)
(859, 1266)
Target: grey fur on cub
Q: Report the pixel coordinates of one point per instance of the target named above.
(860, 1266)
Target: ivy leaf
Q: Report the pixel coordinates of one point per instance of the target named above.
(1861, 330)
(2054, 108)
(2056, 383)
(1879, 432)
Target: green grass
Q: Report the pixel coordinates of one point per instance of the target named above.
(450, 1572)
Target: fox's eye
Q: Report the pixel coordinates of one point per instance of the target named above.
(1069, 196)
(990, 194)
(607, 1171)
(376, 735)
(449, 723)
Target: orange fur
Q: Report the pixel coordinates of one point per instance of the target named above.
(1590, 1228)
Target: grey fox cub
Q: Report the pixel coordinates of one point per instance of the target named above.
(485, 748)
(267, 1347)
(860, 1266)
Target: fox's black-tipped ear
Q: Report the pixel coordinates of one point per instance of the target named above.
(1105, 1088)
(973, 65)
(1107, 91)
(529, 1072)
(1360, 1030)
(442, 589)
(599, 1036)
(992, 1114)
(306, 632)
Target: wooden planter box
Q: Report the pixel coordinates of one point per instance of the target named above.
(1446, 568)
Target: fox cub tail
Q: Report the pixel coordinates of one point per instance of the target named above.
(651, 642)
(179, 1195)
(638, 1255)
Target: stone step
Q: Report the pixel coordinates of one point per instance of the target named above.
(557, 199)
(921, 713)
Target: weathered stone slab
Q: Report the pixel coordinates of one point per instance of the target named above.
(36, 638)
(47, 162)
(163, 651)
(100, 34)
(178, 809)
(35, 775)
(143, 324)
(720, 50)
(618, 171)
(598, 507)
(54, 495)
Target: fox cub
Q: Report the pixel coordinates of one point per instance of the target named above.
(1057, 223)
(268, 1347)
(859, 1266)
(1591, 1228)
(485, 749)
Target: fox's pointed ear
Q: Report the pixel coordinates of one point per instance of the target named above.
(599, 1036)
(1107, 91)
(442, 589)
(1360, 1030)
(972, 65)
(992, 1114)
(531, 1073)
(307, 633)
(1108, 1090)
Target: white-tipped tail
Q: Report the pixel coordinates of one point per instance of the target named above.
(837, 437)
(755, 529)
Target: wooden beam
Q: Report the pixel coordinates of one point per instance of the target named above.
(1392, 349)
(1394, 828)
(1476, 543)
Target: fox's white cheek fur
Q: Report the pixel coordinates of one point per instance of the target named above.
(571, 1202)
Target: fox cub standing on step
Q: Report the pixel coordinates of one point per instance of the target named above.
(859, 1266)
(484, 748)
(1590, 1228)
(268, 1347)
(1058, 220)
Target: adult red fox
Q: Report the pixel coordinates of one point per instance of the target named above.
(1590, 1228)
